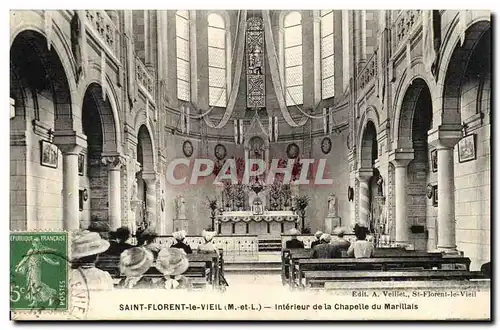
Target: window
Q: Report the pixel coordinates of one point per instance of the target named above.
(327, 65)
(183, 55)
(217, 74)
(293, 58)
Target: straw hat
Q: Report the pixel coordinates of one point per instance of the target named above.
(135, 261)
(318, 234)
(208, 235)
(87, 243)
(294, 232)
(325, 238)
(172, 261)
(179, 235)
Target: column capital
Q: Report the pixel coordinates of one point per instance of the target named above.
(150, 177)
(445, 136)
(115, 161)
(70, 142)
(363, 174)
(401, 157)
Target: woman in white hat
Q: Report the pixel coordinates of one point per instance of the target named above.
(208, 246)
(134, 263)
(85, 248)
(179, 237)
(172, 263)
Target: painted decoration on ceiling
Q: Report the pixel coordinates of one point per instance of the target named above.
(256, 84)
(220, 151)
(326, 145)
(187, 148)
(292, 151)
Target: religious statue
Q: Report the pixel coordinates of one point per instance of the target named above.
(181, 208)
(332, 205)
(380, 185)
(133, 195)
(76, 42)
(383, 220)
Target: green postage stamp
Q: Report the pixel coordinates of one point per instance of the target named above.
(39, 271)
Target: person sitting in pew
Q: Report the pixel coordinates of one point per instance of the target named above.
(146, 238)
(208, 246)
(134, 263)
(361, 248)
(317, 241)
(339, 241)
(120, 244)
(180, 236)
(294, 243)
(325, 250)
(172, 263)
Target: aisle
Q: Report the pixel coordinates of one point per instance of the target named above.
(257, 283)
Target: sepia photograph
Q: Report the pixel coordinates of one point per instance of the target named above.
(250, 164)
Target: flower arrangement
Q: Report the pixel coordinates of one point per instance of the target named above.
(302, 202)
(212, 203)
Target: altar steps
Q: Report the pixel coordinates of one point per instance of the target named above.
(269, 244)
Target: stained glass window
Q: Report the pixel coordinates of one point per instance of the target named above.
(256, 83)
(327, 51)
(293, 58)
(183, 55)
(217, 74)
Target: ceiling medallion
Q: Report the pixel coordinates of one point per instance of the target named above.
(220, 151)
(326, 145)
(187, 148)
(292, 151)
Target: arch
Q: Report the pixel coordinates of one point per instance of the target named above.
(141, 121)
(368, 145)
(112, 104)
(416, 89)
(107, 117)
(370, 114)
(454, 64)
(145, 150)
(45, 71)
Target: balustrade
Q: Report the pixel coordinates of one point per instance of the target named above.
(144, 78)
(368, 72)
(104, 28)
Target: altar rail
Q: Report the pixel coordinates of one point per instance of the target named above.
(235, 247)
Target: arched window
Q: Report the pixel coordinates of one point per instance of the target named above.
(327, 64)
(217, 73)
(293, 58)
(183, 55)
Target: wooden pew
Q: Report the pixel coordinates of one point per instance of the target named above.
(211, 261)
(318, 278)
(286, 256)
(374, 264)
(290, 257)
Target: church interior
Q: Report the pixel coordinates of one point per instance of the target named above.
(126, 118)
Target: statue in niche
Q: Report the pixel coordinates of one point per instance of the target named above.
(332, 205)
(133, 195)
(380, 185)
(76, 43)
(181, 208)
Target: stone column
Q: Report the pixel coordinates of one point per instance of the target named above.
(114, 164)
(400, 160)
(71, 144)
(150, 179)
(364, 174)
(444, 139)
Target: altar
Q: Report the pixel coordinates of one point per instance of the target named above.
(269, 223)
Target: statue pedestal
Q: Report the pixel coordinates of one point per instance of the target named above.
(331, 223)
(180, 224)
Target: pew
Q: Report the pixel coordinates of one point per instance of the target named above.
(286, 255)
(318, 278)
(368, 264)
